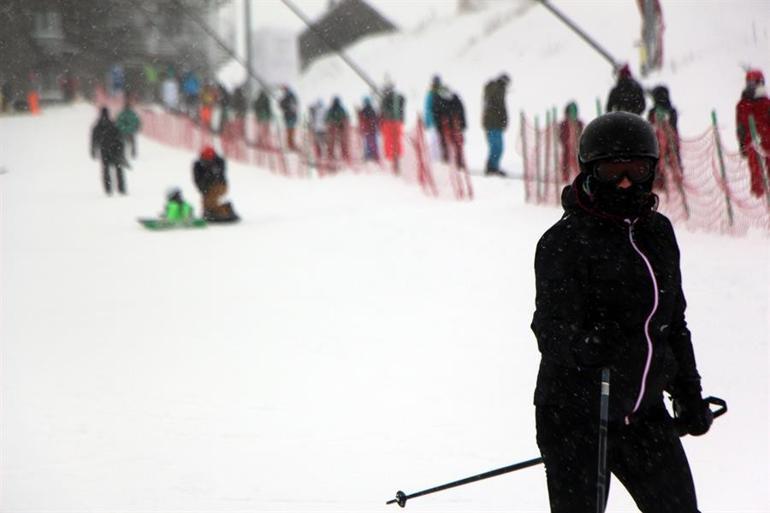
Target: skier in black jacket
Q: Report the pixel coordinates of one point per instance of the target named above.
(627, 94)
(108, 141)
(609, 295)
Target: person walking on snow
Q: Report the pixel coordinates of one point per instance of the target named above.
(129, 124)
(609, 295)
(495, 121)
(754, 104)
(107, 140)
(627, 95)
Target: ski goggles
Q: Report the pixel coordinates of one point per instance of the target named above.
(613, 171)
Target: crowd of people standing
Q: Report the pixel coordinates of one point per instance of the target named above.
(379, 121)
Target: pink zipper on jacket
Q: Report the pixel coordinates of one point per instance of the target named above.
(643, 384)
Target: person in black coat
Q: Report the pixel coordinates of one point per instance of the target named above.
(627, 95)
(609, 294)
(664, 117)
(211, 181)
(449, 116)
(107, 140)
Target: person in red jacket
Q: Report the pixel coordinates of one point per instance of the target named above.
(755, 104)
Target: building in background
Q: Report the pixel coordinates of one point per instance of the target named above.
(51, 44)
(344, 23)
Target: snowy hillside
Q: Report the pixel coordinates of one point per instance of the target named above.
(706, 46)
(350, 337)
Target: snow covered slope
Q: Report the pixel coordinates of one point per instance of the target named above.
(349, 338)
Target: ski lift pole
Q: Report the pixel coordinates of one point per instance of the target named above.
(401, 497)
(358, 71)
(604, 53)
(721, 157)
(214, 37)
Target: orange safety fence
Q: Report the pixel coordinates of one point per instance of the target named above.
(265, 145)
(709, 191)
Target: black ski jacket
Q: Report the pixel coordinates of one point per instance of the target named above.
(592, 268)
(208, 173)
(108, 141)
(627, 95)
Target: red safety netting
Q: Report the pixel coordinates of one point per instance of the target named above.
(265, 145)
(709, 190)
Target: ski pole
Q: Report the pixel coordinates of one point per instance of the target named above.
(601, 475)
(401, 497)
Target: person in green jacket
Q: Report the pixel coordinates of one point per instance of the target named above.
(128, 123)
(177, 209)
(264, 112)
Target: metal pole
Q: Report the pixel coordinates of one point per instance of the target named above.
(358, 71)
(224, 46)
(604, 53)
(601, 474)
(718, 141)
(401, 497)
(524, 161)
(249, 49)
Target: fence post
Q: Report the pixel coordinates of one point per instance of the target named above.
(718, 141)
(598, 107)
(672, 158)
(538, 169)
(556, 162)
(547, 155)
(524, 163)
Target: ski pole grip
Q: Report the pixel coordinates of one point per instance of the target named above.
(720, 403)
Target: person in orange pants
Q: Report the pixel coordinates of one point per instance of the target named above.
(392, 124)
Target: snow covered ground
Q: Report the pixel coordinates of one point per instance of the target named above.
(350, 337)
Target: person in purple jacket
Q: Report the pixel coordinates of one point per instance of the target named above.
(609, 295)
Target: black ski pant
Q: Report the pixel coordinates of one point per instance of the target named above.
(645, 456)
(107, 178)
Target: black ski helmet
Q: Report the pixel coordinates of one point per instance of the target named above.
(617, 135)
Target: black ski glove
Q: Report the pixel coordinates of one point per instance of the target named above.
(692, 415)
(599, 346)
